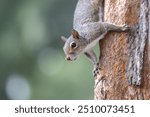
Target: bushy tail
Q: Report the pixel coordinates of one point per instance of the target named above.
(99, 5)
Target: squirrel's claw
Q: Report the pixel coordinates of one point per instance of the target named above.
(125, 27)
(96, 70)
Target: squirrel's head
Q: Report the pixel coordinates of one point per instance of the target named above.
(74, 45)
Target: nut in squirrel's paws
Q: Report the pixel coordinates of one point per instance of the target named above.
(96, 70)
(125, 27)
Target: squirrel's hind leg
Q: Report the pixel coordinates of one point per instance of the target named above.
(119, 28)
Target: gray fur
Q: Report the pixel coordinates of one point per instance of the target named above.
(90, 29)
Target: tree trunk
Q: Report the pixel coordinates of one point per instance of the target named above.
(125, 57)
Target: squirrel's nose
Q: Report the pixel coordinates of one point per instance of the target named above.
(68, 58)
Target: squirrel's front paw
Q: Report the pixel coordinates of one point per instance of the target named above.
(96, 70)
(125, 27)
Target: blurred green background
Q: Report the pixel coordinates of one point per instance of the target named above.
(32, 64)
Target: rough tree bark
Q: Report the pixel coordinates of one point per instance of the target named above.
(125, 57)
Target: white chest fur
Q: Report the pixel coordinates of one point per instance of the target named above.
(94, 42)
(91, 45)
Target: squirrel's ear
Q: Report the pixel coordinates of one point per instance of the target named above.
(75, 34)
(63, 39)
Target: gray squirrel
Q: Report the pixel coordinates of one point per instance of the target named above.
(86, 33)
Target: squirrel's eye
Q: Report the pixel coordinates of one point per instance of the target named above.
(73, 45)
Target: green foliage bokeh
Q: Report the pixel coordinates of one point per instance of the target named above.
(31, 49)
